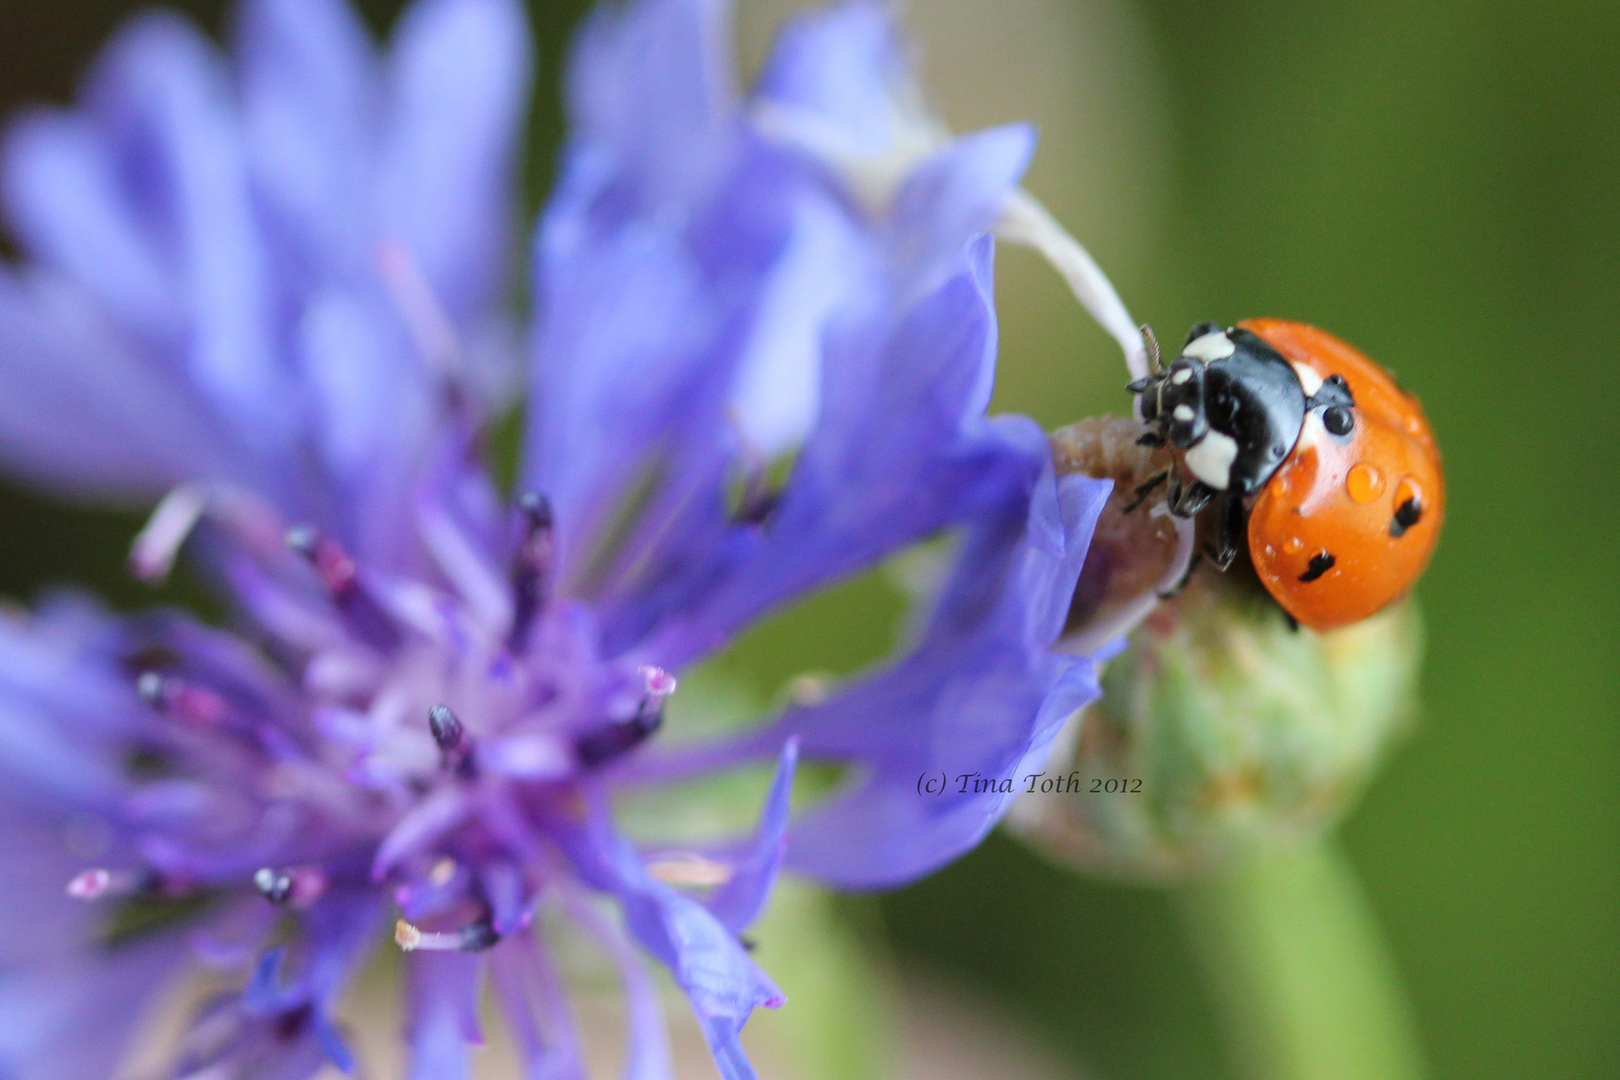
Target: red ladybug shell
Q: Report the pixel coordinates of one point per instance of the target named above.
(1337, 498)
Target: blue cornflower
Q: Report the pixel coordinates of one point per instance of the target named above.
(273, 290)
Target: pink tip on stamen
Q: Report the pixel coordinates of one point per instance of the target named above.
(309, 884)
(659, 683)
(90, 884)
(186, 702)
(336, 569)
(152, 555)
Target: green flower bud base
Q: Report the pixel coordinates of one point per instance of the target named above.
(1239, 728)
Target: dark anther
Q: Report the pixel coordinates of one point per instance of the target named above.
(748, 943)
(446, 728)
(536, 510)
(478, 936)
(1338, 420)
(1320, 564)
(1408, 514)
(614, 740)
(273, 885)
(530, 565)
(455, 749)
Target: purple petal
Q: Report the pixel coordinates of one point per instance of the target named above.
(741, 900)
(162, 102)
(901, 450)
(73, 1016)
(82, 410)
(443, 1015)
(957, 192)
(536, 1007)
(342, 929)
(310, 87)
(644, 326)
(651, 98)
(64, 200)
(649, 1041)
(846, 63)
(981, 696)
(705, 958)
(458, 80)
(65, 717)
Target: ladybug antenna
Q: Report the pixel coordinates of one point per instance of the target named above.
(1152, 350)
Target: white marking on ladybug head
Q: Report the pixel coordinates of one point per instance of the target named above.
(1309, 380)
(1183, 413)
(1211, 460)
(1181, 376)
(1309, 433)
(1213, 346)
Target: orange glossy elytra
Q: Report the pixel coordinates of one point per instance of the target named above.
(1347, 524)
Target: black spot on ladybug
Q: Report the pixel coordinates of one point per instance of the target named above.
(1408, 514)
(1320, 564)
(1338, 420)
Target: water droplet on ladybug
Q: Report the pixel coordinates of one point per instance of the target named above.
(1294, 545)
(1365, 483)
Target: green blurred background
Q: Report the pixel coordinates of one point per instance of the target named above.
(1438, 183)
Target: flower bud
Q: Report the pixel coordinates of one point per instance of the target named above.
(1221, 723)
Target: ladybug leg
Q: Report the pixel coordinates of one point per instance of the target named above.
(1144, 489)
(1229, 527)
(1189, 501)
(1177, 589)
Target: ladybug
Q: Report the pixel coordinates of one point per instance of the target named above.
(1295, 439)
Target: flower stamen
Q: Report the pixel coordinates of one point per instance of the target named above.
(184, 701)
(474, 937)
(341, 577)
(689, 869)
(530, 566)
(299, 886)
(450, 735)
(95, 883)
(273, 885)
(612, 741)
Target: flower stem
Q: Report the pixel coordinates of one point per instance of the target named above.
(1298, 967)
